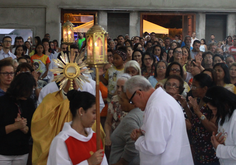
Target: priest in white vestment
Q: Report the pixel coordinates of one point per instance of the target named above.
(162, 139)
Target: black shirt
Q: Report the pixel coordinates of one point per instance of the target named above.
(16, 142)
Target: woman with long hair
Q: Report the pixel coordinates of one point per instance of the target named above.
(232, 73)
(203, 46)
(157, 52)
(15, 120)
(19, 51)
(222, 104)
(203, 123)
(148, 62)
(223, 77)
(137, 56)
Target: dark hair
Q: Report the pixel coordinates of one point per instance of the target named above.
(37, 46)
(147, 43)
(204, 80)
(24, 66)
(136, 37)
(74, 46)
(6, 62)
(181, 82)
(18, 38)
(150, 55)
(177, 35)
(192, 62)
(188, 50)
(21, 86)
(123, 49)
(213, 73)
(208, 52)
(22, 48)
(169, 69)
(227, 39)
(156, 43)
(167, 58)
(204, 55)
(110, 50)
(153, 33)
(196, 41)
(27, 57)
(137, 50)
(56, 42)
(226, 71)
(38, 39)
(130, 42)
(118, 45)
(167, 38)
(28, 42)
(170, 59)
(177, 44)
(5, 38)
(223, 100)
(176, 49)
(153, 48)
(136, 45)
(47, 34)
(204, 41)
(23, 57)
(156, 65)
(120, 36)
(218, 55)
(80, 99)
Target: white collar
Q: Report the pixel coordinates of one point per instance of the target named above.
(71, 132)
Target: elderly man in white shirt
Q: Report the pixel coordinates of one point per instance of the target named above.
(5, 52)
(162, 138)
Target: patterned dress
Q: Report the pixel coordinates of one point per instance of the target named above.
(114, 108)
(201, 139)
(146, 73)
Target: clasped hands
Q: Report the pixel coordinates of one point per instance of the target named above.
(136, 133)
(217, 139)
(21, 123)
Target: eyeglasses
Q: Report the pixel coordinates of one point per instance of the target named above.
(130, 100)
(7, 41)
(194, 87)
(172, 85)
(7, 73)
(176, 70)
(180, 52)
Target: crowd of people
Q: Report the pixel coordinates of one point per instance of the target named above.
(162, 101)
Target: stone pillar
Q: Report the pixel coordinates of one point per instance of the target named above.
(53, 26)
(231, 23)
(200, 25)
(134, 24)
(102, 19)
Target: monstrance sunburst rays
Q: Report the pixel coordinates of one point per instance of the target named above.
(70, 68)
